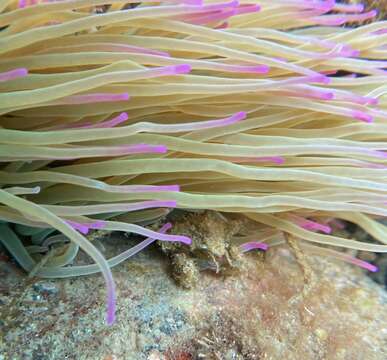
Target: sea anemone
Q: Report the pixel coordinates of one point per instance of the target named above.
(110, 115)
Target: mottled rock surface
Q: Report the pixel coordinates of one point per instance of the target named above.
(256, 314)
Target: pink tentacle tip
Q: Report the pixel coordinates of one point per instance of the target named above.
(160, 149)
(247, 9)
(111, 317)
(330, 20)
(167, 204)
(184, 239)
(22, 72)
(122, 117)
(166, 227)
(361, 263)
(279, 160)
(261, 69)
(145, 148)
(248, 69)
(362, 116)
(362, 100)
(311, 225)
(379, 32)
(182, 69)
(119, 119)
(113, 122)
(84, 229)
(109, 123)
(354, 53)
(111, 304)
(368, 266)
(114, 97)
(324, 6)
(99, 224)
(220, 6)
(377, 153)
(155, 188)
(327, 95)
(371, 101)
(13, 74)
(360, 17)
(320, 79)
(253, 245)
(356, 8)
(238, 116)
(319, 94)
(122, 97)
(169, 188)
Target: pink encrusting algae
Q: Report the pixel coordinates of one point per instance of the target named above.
(111, 116)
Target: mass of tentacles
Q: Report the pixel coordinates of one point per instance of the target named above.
(112, 115)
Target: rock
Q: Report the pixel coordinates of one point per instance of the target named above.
(250, 315)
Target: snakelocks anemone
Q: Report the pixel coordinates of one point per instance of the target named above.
(111, 115)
